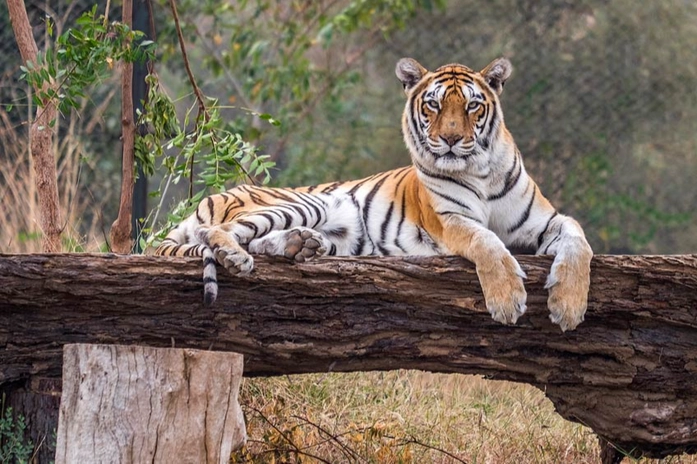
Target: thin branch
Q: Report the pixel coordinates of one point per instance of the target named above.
(348, 452)
(226, 72)
(187, 66)
(413, 440)
(295, 447)
(202, 112)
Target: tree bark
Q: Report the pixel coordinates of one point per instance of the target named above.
(120, 235)
(133, 404)
(40, 136)
(627, 372)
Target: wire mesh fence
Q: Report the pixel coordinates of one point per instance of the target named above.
(601, 104)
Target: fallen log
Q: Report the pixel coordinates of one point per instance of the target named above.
(628, 372)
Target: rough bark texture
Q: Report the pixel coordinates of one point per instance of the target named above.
(36, 399)
(628, 371)
(41, 134)
(134, 404)
(120, 234)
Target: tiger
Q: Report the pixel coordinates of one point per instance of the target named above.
(465, 193)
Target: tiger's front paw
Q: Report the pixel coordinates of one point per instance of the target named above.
(568, 284)
(235, 260)
(504, 291)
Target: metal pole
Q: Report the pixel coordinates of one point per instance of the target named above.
(141, 21)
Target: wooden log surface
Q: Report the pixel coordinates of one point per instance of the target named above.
(135, 404)
(629, 371)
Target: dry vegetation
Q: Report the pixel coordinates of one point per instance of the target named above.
(20, 230)
(408, 417)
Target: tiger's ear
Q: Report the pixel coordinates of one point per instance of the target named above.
(409, 72)
(496, 73)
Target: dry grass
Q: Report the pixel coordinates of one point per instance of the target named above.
(408, 417)
(20, 230)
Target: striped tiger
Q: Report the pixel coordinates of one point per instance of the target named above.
(466, 193)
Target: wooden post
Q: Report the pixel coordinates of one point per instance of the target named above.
(133, 404)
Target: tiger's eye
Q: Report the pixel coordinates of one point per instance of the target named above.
(473, 106)
(432, 104)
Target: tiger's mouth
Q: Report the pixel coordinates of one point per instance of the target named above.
(450, 155)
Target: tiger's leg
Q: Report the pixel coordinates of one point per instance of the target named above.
(226, 248)
(499, 273)
(299, 244)
(569, 279)
(230, 240)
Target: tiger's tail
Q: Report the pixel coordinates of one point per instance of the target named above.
(172, 247)
(210, 279)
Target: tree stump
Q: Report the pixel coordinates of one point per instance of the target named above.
(133, 404)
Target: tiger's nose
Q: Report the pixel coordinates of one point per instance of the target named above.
(451, 139)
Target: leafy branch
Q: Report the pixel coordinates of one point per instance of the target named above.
(221, 155)
(82, 57)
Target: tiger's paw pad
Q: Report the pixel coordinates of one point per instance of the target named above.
(303, 244)
(237, 262)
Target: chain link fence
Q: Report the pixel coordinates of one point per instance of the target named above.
(601, 103)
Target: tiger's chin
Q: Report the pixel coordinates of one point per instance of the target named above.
(450, 162)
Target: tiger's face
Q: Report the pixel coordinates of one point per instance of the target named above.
(452, 114)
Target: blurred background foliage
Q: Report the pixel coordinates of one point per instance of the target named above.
(601, 102)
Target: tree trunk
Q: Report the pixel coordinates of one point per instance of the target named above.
(627, 372)
(120, 234)
(40, 136)
(37, 399)
(133, 404)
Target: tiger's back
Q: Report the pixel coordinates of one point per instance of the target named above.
(377, 215)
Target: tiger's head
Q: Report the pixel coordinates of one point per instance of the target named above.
(453, 115)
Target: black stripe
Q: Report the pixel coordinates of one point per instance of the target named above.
(288, 218)
(331, 187)
(449, 198)
(250, 225)
(332, 250)
(442, 213)
(362, 182)
(210, 280)
(208, 261)
(556, 239)
(278, 194)
(211, 208)
(299, 209)
(460, 183)
(403, 213)
(511, 179)
(258, 200)
(526, 213)
(226, 216)
(368, 202)
(541, 237)
(383, 228)
(312, 202)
